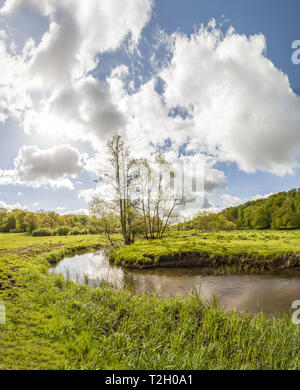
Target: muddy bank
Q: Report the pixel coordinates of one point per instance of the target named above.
(192, 259)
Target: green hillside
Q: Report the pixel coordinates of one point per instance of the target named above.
(278, 211)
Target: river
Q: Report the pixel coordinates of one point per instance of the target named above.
(252, 293)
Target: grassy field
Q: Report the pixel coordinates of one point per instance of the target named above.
(54, 323)
(254, 244)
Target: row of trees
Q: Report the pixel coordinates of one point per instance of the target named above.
(278, 211)
(47, 223)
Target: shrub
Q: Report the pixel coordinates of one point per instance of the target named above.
(16, 231)
(62, 231)
(42, 232)
(75, 232)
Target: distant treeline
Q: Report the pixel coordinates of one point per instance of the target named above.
(207, 222)
(48, 223)
(278, 211)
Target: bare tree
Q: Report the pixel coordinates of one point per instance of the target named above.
(142, 194)
(118, 175)
(157, 196)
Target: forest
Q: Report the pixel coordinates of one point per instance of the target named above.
(47, 223)
(278, 211)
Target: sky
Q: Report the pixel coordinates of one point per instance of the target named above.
(209, 83)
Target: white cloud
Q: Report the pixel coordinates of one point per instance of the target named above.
(259, 196)
(103, 190)
(221, 96)
(56, 70)
(10, 207)
(231, 201)
(242, 106)
(44, 167)
(78, 212)
(14, 98)
(83, 111)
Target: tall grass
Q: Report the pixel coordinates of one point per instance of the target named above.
(103, 328)
(54, 323)
(261, 247)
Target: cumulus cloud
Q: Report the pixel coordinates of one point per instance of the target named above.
(86, 106)
(231, 201)
(242, 106)
(11, 207)
(103, 190)
(221, 96)
(57, 68)
(214, 179)
(14, 98)
(78, 32)
(259, 196)
(44, 167)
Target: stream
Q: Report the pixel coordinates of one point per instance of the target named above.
(273, 293)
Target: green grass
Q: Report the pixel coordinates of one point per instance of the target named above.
(249, 243)
(14, 241)
(53, 323)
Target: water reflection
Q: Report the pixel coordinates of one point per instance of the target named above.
(252, 293)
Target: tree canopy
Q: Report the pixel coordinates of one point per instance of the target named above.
(278, 211)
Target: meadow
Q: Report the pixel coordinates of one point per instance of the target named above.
(53, 323)
(241, 245)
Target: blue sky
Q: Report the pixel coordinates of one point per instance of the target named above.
(149, 60)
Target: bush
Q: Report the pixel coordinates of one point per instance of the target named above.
(62, 231)
(16, 231)
(92, 230)
(42, 232)
(75, 232)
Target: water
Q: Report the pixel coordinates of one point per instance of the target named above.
(252, 293)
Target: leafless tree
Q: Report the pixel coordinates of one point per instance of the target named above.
(117, 173)
(157, 197)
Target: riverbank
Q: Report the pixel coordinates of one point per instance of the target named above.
(240, 251)
(53, 323)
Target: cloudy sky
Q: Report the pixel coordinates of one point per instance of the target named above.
(208, 81)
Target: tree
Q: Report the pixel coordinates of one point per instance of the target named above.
(119, 176)
(211, 222)
(155, 194)
(119, 159)
(261, 218)
(8, 223)
(31, 222)
(102, 210)
(20, 215)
